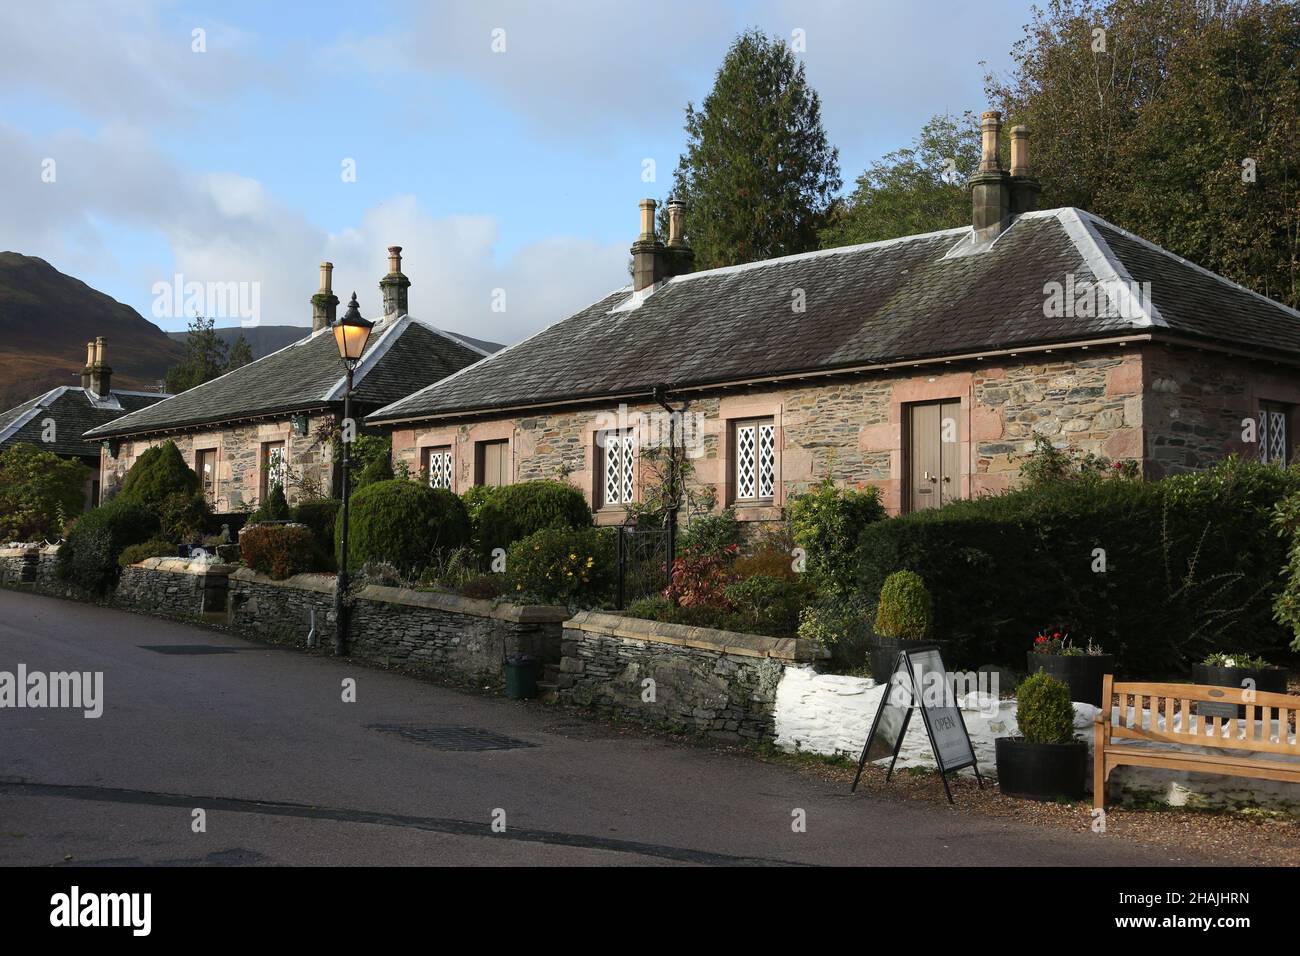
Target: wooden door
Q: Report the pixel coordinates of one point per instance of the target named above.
(933, 463)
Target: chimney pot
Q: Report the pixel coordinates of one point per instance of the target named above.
(649, 263)
(324, 304)
(679, 256)
(990, 187)
(90, 361)
(991, 131)
(101, 376)
(393, 286)
(1024, 187)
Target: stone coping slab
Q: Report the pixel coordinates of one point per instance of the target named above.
(435, 600)
(184, 566)
(702, 638)
(19, 550)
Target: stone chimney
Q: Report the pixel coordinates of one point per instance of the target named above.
(649, 263)
(101, 376)
(991, 185)
(394, 285)
(90, 363)
(324, 304)
(1024, 187)
(679, 256)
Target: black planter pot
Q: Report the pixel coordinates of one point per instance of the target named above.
(1041, 771)
(884, 654)
(1081, 672)
(1270, 680)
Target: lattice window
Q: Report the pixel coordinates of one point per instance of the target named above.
(1274, 441)
(276, 466)
(754, 466)
(617, 454)
(437, 465)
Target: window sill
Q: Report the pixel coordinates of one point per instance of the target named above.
(758, 511)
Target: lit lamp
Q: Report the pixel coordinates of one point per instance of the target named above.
(351, 333)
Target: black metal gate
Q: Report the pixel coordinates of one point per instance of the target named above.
(644, 567)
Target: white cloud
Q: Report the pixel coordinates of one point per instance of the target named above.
(118, 59)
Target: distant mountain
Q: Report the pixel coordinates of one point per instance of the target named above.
(46, 319)
(262, 339)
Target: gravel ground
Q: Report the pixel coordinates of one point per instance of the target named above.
(1240, 837)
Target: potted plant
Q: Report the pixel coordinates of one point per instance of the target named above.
(1234, 670)
(903, 614)
(1081, 669)
(1047, 762)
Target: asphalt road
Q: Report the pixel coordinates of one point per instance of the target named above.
(286, 772)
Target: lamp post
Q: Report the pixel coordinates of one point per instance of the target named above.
(351, 333)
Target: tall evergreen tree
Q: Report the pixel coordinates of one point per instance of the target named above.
(917, 189)
(205, 357)
(241, 353)
(758, 174)
(1176, 119)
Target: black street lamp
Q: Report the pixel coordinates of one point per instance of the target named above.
(351, 333)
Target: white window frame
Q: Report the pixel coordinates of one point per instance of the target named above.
(753, 460)
(617, 451)
(437, 464)
(1274, 433)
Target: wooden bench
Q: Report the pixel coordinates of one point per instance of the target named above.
(1185, 728)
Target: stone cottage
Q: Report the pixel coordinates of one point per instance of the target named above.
(273, 421)
(922, 365)
(56, 420)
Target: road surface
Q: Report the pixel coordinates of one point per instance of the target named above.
(287, 773)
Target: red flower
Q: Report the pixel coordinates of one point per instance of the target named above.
(1057, 634)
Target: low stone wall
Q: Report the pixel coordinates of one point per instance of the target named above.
(176, 587)
(33, 568)
(718, 682)
(831, 714)
(466, 637)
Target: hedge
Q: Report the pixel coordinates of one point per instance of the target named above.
(404, 523)
(320, 515)
(278, 550)
(513, 512)
(88, 558)
(1191, 566)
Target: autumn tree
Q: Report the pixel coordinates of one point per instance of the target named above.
(1174, 119)
(916, 189)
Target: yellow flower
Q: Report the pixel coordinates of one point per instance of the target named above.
(519, 587)
(573, 557)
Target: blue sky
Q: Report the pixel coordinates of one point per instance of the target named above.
(517, 170)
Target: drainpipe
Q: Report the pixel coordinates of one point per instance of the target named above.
(661, 396)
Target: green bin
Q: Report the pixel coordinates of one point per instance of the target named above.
(521, 677)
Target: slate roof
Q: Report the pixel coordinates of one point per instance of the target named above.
(915, 298)
(402, 355)
(74, 410)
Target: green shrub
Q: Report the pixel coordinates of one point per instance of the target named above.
(572, 566)
(768, 605)
(904, 610)
(379, 468)
(474, 498)
(275, 507)
(319, 514)
(39, 491)
(160, 471)
(278, 550)
(182, 515)
(1043, 710)
(513, 512)
(153, 548)
(405, 523)
(88, 559)
(709, 534)
(827, 523)
(842, 624)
